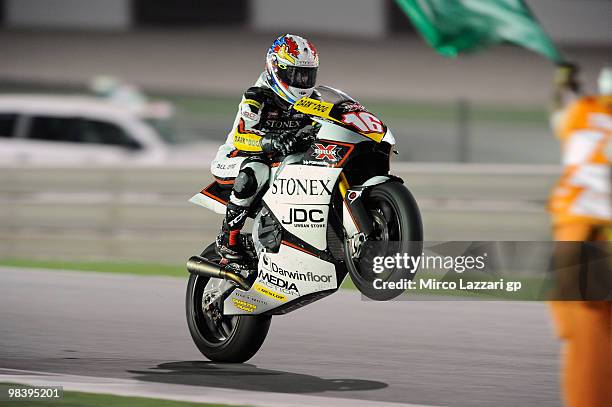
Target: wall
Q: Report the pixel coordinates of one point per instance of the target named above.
(142, 213)
(576, 21)
(364, 18)
(567, 21)
(82, 14)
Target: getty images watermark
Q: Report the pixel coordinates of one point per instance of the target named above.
(494, 270)
(424, 263)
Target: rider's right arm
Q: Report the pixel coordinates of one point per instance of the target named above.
(246, 136)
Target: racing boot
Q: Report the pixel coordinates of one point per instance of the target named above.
(229, 244)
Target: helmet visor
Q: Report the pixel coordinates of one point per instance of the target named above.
(298, 77)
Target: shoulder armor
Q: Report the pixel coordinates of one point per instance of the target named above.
(257, 93)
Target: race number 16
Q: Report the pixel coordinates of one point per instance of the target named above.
(363, 121)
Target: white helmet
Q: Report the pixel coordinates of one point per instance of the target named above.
(604, 81)
(291, 67)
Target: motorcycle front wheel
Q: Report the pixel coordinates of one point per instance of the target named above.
(221, 338)
(397, 229)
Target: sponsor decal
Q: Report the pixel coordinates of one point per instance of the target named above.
(296, 275)
(351, 106)
(305, 218)
(243, 305)
(317, 163)
(313, 107)
(247, 142)
(270, 293)
(224, 166)
(282, 124)
(278, 283)
(303, 187)
(250, 115)
(249, 297)
(325, 152)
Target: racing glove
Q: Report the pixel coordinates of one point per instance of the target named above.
(279, 144)
(307, 135)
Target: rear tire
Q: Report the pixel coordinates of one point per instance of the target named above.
(399, 228)
(241, 335)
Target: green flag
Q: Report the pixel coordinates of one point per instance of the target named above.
(455, 26)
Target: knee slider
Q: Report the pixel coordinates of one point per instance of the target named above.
(245, 184)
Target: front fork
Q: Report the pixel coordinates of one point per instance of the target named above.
(359, 220)
(356, 218)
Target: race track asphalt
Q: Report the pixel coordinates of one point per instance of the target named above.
(453, 353)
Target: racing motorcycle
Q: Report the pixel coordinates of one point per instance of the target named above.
(327, 212)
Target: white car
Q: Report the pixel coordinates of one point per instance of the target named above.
(75, 130)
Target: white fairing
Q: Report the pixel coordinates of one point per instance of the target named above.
(299, 197)
(330, 131)
(209, 203)
(283, 277)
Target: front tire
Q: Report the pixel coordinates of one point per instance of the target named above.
(221, 338)
(398, 229)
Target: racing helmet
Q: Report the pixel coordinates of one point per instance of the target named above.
(604, 81)
(291, 67)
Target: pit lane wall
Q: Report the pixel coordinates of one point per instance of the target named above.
(357, 18)
(142, 213)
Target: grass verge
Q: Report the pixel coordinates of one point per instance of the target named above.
(142, 269)
(532, 287)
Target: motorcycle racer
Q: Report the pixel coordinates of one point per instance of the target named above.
(265, 129)
(310, 219)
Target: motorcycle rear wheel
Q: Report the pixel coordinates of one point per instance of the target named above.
(221, 338)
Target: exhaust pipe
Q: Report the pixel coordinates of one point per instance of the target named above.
(205, 268)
